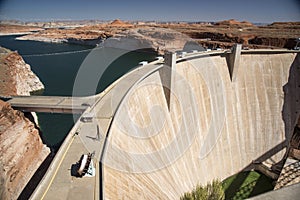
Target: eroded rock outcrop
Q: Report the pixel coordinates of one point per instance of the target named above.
(83, 36)
(120, 23)
(226, 33)
(158, 39)
(16, 77)
(21, 151)
(233, 22)
(10, 29)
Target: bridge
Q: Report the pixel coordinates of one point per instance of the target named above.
(148, 136)
(51, 104)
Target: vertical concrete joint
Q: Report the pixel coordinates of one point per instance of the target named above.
(170, 59)
(166, 75)
(233, 61)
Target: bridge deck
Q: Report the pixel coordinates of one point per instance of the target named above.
(52, 104)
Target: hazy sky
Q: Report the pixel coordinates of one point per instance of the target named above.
(164, 10)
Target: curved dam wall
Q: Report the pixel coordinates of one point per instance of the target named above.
(193, 123)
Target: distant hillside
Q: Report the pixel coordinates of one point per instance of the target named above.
(233, 22)
(119, 23)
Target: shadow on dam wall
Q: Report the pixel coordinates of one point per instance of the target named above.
(291, 106)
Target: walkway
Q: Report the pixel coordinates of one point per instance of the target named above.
(61, 184)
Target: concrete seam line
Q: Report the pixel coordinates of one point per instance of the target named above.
(54, 175)
(96, 183)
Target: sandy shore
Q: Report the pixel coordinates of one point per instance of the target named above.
(15, 33)
(41, 39)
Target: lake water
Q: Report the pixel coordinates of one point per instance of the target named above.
(57, 66)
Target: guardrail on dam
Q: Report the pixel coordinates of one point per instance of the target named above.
(162, 129)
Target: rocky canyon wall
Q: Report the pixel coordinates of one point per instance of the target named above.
(16, 76)
(21, 148)
(21, 151)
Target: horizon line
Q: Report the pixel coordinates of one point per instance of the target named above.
(150, 20)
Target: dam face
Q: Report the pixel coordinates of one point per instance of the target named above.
(193, 123)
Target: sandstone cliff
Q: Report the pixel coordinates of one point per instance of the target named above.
(21, 148)
(16, 77)
(225, 33)
(21, 151)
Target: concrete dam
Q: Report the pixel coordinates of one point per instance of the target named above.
(166, 126)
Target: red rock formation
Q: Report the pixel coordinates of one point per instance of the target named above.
(21, 151)
(233, 22)
(288, 43)
(120, 23)
(276, 35)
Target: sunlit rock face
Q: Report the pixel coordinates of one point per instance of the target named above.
(21, 151)
(16, 77)
(21, 148)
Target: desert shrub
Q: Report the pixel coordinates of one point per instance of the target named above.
(211, 191)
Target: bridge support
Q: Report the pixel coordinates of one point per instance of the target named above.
(233, 61)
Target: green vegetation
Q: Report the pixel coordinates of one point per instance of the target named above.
(239, 186)
(246, 184)
(212, 191)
